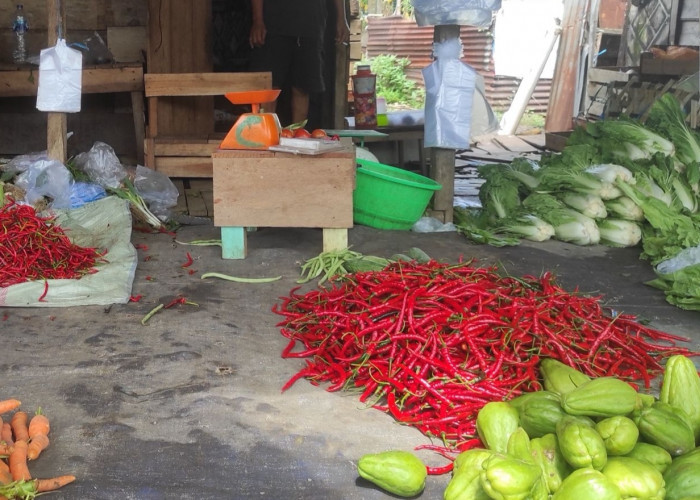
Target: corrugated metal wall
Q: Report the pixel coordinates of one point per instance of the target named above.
(404, 38)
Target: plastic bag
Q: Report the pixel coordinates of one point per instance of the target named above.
(102, 165)
(94, 49)
(432, 225)
(60, 79)
(85, 192)
(462, 12)
(46, 178)
(449, 88)
(157, 190)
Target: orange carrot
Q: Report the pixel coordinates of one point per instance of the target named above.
(6, 433)
(37, 444)
(39, 424)
(19, 425)
(52, 484)
(18, 462)
(5, 476)
(9, 405)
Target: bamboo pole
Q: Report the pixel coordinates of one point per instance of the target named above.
(56, 123)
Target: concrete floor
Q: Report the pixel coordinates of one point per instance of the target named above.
(189, 406)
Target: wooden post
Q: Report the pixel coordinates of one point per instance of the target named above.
(56, 123)
(442, 160)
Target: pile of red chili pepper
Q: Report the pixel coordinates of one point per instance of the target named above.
(433, 343)
(35, 248)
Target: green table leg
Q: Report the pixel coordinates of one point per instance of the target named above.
(233, 242)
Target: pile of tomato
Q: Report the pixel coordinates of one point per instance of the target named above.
(302, 133)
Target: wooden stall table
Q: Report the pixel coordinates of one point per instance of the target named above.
(397, 135)
(255, 188)
(23, 80)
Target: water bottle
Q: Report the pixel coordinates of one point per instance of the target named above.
(20, 27)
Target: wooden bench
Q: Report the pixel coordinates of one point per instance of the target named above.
(187, 153)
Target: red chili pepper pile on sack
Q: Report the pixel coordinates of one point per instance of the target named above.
(433, 343)
(35, 248)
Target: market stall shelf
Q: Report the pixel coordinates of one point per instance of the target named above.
(257, 188)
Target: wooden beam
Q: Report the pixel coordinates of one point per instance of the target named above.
(560, 112)
(56, 123)
(442, 160)
(127, 78)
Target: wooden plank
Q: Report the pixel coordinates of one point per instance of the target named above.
(94, 80)
(201, 84)
(196, 206)
(537, 140)
(262, 188)
(515, 144)
(184, 166)
(185, 147)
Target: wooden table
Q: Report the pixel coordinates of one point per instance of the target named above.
(273, 189)
(397, 135)
(23, 80)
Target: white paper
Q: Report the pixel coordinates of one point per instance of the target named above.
(60, 79)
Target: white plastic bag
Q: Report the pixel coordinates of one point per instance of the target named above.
(60, 79)
(449, 86)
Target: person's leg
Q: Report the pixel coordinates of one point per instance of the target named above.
(300, 105)
(307, 75)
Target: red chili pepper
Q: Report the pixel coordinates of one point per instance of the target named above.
(46, 290)
(432, 343)
(189, 260)
(135, 298)
(34, 248)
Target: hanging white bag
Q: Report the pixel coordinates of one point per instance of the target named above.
(449, 89)
(60, 79)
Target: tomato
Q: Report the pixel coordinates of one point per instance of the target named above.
(319, 133)
(287, 132)
(302, 133)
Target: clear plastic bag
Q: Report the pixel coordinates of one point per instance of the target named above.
(157, 190)
(102, 165)
(462, 12)
(46, 178)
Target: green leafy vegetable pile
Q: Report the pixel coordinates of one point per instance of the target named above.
(618, 182)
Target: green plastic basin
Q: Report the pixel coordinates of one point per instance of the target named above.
(387, 197)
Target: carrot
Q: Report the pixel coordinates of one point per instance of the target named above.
(19, 426)
(31, 488)
(6, 433)
(9, 405)
(5, 449)
(52, 484)
(37, 444)
(18, 462)
(5, 476)
(39, 424)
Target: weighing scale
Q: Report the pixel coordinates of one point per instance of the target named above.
(253, 130)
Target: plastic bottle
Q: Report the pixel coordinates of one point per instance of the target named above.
(20, 27)
(364, 85)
